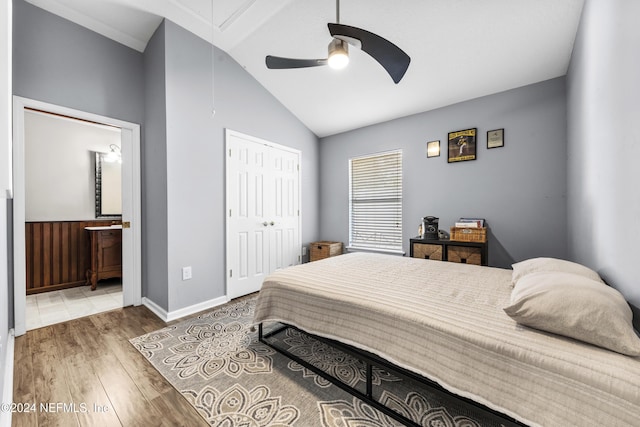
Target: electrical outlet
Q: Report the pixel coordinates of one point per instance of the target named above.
(186, 273)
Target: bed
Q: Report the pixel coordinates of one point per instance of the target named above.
(445, 322)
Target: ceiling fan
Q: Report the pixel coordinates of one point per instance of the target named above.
(393, 59)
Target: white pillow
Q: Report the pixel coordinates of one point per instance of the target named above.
(535, 265)
(577, 307)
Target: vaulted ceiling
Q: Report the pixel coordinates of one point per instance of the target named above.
(459, 49)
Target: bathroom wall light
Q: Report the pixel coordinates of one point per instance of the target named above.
(115, 155)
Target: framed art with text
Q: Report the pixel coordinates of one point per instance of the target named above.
(462, 145)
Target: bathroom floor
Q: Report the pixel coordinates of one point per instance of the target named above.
(59, 306)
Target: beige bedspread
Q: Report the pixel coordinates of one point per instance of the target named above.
(445, 322)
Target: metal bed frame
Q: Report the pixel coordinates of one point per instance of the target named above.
(370, 361)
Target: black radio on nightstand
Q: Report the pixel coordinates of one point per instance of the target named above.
(430, 228)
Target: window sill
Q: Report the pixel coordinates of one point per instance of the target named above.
(378, 250)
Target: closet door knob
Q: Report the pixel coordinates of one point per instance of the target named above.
(272, 223)
(265, 223)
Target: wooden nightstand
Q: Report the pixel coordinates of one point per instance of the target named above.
(448, 250)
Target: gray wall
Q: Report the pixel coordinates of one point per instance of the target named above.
(519, 189)
(195, 158)
(155, 240)
(57, 61)
(195, 172)
(603, 143)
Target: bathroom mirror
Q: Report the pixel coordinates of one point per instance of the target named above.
(108, 187)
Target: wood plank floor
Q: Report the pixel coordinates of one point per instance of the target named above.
(88, 365)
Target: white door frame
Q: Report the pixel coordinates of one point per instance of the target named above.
(131, 245)
(228, 133)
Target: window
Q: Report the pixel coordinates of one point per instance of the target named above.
(375, 201)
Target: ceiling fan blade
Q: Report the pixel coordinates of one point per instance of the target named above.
(278, 63)
(390, 56)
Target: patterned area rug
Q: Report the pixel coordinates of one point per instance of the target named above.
(233, 380)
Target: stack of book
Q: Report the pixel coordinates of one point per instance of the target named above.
(470, 223)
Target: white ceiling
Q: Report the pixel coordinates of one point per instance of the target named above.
(459, 49)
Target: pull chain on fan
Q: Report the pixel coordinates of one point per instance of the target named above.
(213, 63)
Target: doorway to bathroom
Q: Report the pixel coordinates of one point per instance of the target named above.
(61, 210)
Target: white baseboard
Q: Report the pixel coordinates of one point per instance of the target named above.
(155, 308)
(7, 389)
(177, 314)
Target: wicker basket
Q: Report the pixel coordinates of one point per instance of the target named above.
(466, 234)
(426, 251)
(322, 250)
(464, 255)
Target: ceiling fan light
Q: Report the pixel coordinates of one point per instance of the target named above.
(338, 54)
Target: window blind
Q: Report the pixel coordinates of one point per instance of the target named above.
(375, 208)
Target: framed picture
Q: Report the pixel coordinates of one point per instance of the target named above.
(462, 145)
(433, 148)
(495, 138)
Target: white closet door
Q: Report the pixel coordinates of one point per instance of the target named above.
(284, 219)
(263, 223)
